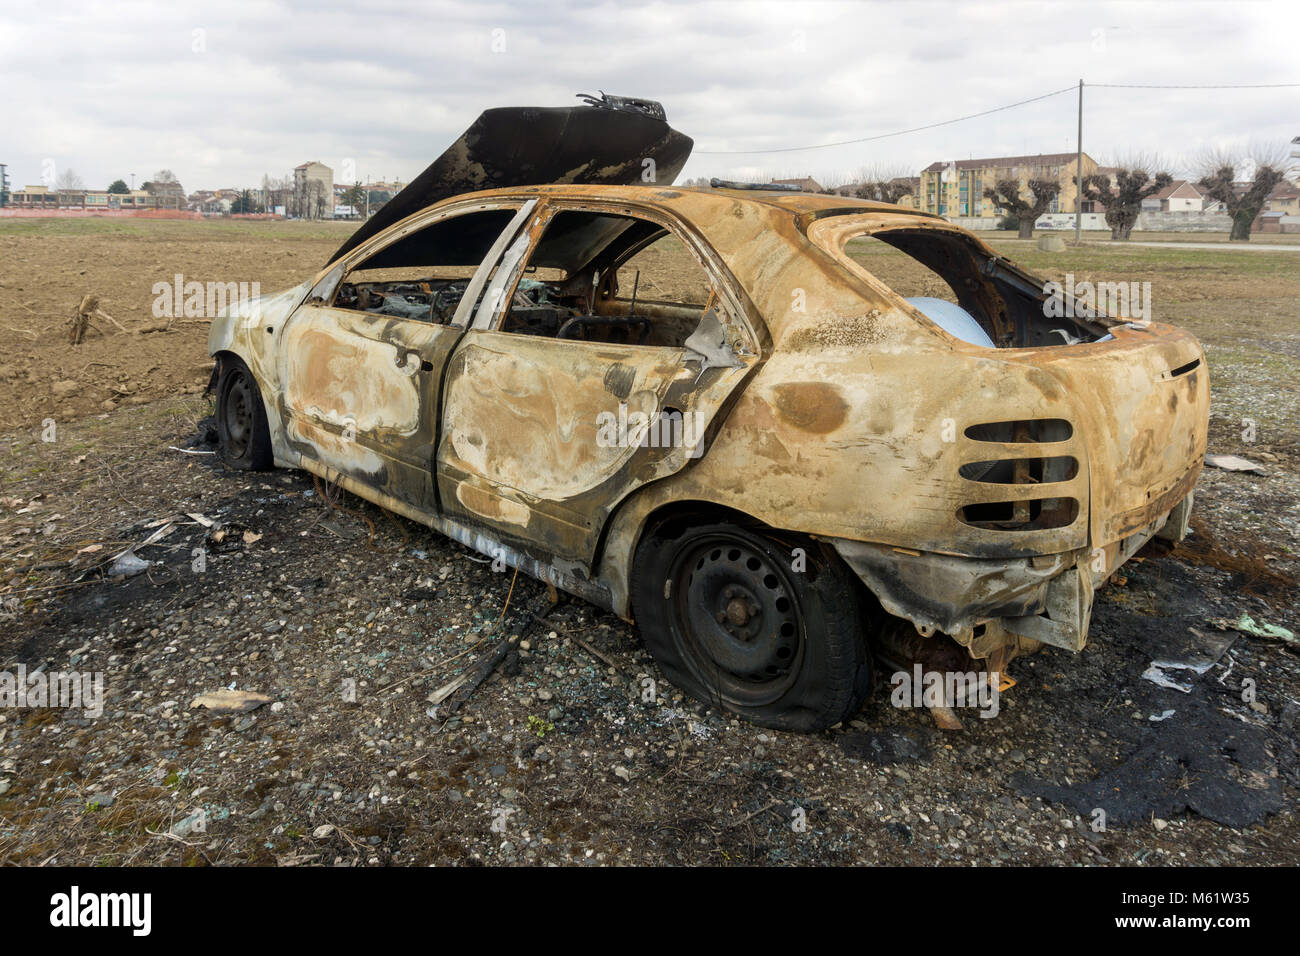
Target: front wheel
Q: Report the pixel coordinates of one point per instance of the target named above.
(770, 632)
(242, 433)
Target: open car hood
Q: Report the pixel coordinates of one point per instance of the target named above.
(605, 143)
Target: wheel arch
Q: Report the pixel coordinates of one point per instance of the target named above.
(663, 504)
(283, 456)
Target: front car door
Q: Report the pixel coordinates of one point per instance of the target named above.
(362, 360)
(571, 390)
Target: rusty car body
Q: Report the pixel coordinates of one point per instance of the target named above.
(852, 461)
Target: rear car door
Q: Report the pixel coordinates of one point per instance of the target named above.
(544, 435)
(362, 360)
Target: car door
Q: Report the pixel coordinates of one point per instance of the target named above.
(361, 377)
(542, 437)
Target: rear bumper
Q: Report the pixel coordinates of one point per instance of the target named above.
(1045, 598)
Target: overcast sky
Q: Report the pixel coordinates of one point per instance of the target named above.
(223, 93)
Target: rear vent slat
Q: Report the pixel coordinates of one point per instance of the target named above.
(1021, 471)
(1031, 430)
(1024, 476)
(1036, 514)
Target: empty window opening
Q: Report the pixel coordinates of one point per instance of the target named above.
(424, 275)
(975, 297)
(613, 279)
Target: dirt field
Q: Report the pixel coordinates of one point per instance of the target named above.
(560, 757)
(46, 266)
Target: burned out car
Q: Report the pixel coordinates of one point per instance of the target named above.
(698, 409)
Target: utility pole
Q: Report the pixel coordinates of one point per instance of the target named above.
(1078, 176)
(133, 182)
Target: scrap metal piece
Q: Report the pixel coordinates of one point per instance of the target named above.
(733, 184)
(709, 342)
(1234, 463)
(631, 103)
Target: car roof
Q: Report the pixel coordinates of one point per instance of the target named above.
(693, 201)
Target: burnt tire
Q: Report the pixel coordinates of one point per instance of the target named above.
(243, 437)
(732, 622)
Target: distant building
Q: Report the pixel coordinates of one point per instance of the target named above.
(1285, 198)
(1179, 196)
(313, 191)
(166, 195)
(956, 187)
(45, 197)
(1269, 222)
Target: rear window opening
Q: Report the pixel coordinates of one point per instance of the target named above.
(978, 298)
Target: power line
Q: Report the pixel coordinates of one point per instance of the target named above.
(1194, 86)
(868, 139)
(998, 109)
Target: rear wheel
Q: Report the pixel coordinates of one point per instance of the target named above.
(738, 620)
(244, 438)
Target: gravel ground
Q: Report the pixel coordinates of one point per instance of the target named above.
(575, 750)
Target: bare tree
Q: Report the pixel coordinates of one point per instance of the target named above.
(1006, 196)
(890, 191)
(831, 184)
(68, 179)
(1133, 182)
(1243, 203)
(883, 183)
(165, 176)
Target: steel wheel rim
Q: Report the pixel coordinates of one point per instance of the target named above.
(736, 617)
(238, 413)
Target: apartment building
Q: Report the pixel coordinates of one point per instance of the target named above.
(956, 187)
(313, 191)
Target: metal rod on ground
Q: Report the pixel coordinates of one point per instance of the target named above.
(490, 661)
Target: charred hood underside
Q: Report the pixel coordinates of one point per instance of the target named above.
(607, 143)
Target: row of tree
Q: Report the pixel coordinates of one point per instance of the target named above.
(69, 180)
(1120, 195)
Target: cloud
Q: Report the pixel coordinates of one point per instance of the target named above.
(224, 93)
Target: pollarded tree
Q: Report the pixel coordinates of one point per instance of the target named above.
(1122, 200)
(890, 191)
(1244, 204)
(1006, 196)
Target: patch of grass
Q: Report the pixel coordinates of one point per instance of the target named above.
(173, 229)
